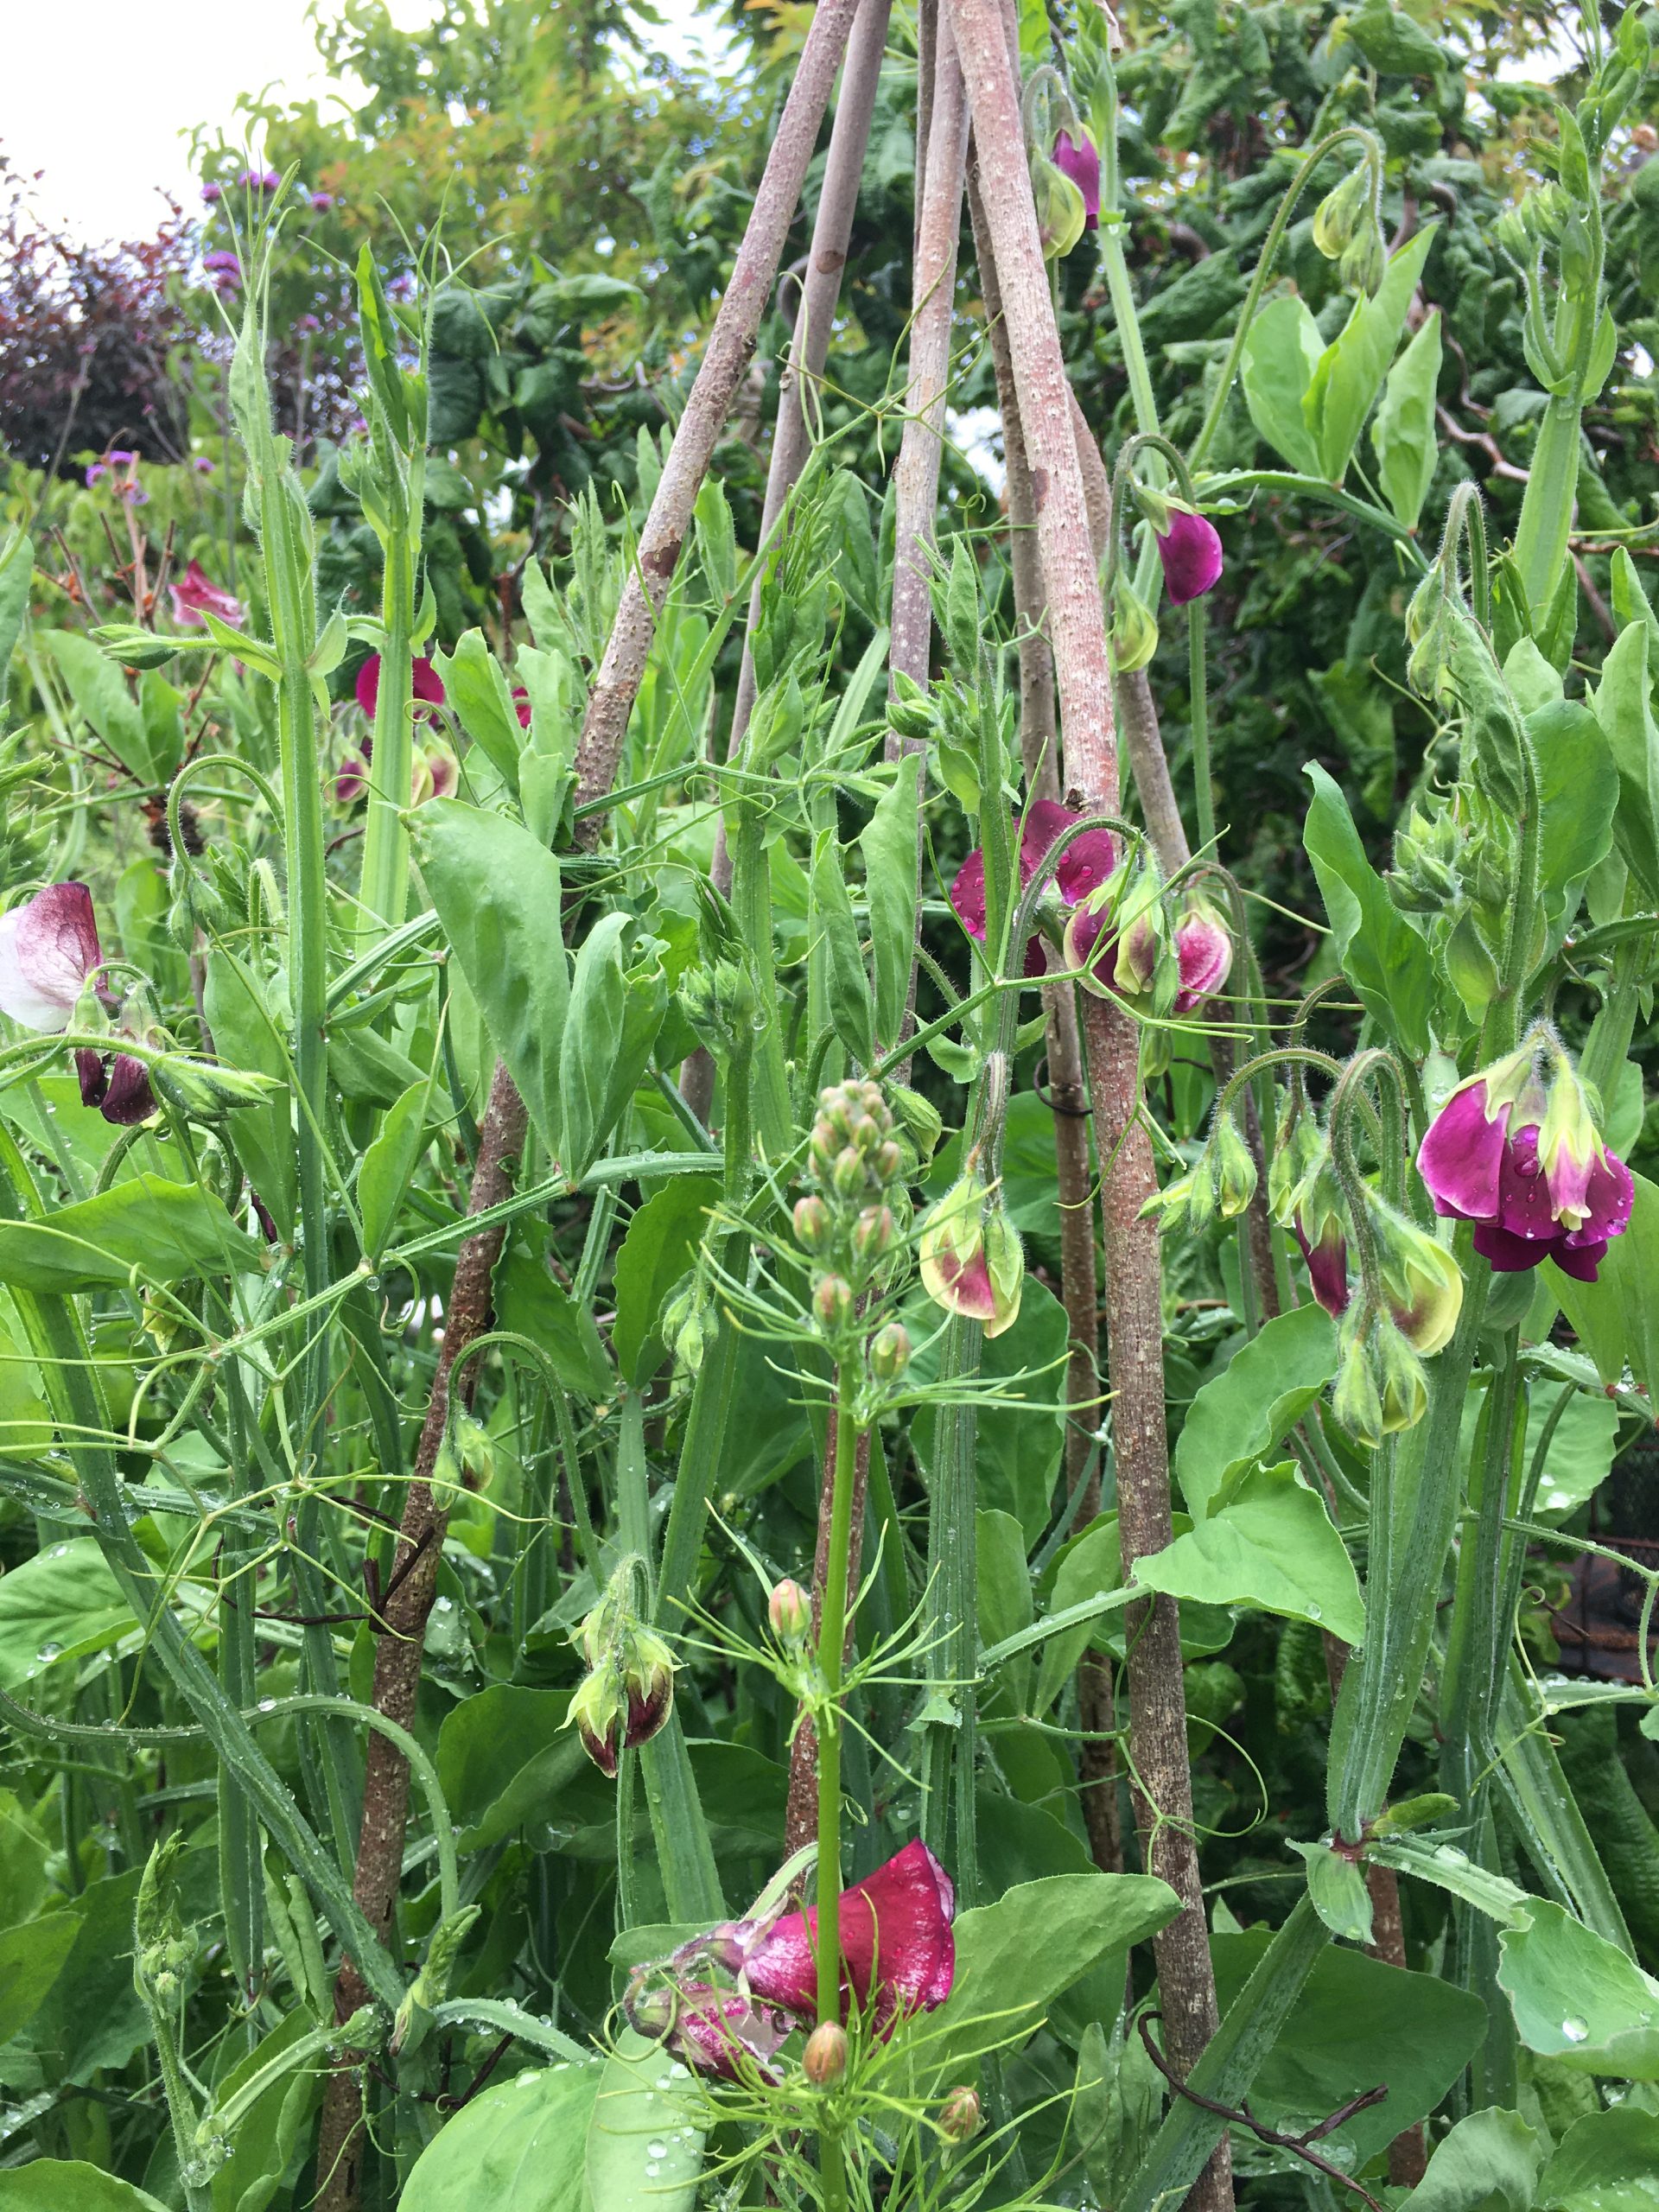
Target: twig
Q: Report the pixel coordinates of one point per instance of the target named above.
(1299, 2146)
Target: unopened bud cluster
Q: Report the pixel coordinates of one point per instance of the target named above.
(1220, 1184)
(628, 1690)
(847, 1223)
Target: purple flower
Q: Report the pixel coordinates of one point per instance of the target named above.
(1190, 552)
(203, 466)
(118, 1084)
(98, 469)
(119, 457)
(1079, 159)
(225, 268)
(352, 783)
(49, 949)
(308, 323)
(320, 200)
(425, 683)
(212, 194)
(710, 2029)
(1204, 948)
(196, 593)
(259, 180)
(896, 1943)
(1083, 867)
(135, 494)
(1528, 1168)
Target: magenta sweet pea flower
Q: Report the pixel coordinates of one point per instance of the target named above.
(1190, 552)
(895, 1940)
(1084, 864)
(196, 593)
(49, 950)
(425, 683)
(1079, 159)
(1528, 1167)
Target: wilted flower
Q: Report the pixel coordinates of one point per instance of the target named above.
(970, 1257)
(896, 1945)
(1528, 1165)
(1079, 159)
(116, 1084)
(709, 2029)
(134, 494)
(195, 593)
(1084, 864)
(1190, 552)
(425, 684)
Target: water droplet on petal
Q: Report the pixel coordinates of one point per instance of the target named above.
(1574, 2028)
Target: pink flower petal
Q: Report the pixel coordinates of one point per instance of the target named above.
(1077, 159)
(196, 592)
(968, 895)
(1087, 861)
(425, 684)
(1204, 950)
(1510, 1255)
(895, 1940)
(1461, 1156)
(1190, 552)
(48, 947)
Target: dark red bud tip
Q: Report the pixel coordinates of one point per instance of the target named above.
(647, 1712)
(598, 1749)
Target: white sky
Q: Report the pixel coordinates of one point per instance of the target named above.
(101, 94)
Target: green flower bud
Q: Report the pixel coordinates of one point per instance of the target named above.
(1235, 1169)
(789, 1611)
(833, 1302)
(1061, 213)
(890, 1352)
(1339, 214)
(1354, 1398)
(813, 1227)
(1134, 628)
(825, 2060)
(960, 2116)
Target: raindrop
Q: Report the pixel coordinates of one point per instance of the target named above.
(1315, 1612)
(267, 1705)
(48, 1652)
(655, 2150)
(1451, 1856)
(1574, 2028)
(651, 2170)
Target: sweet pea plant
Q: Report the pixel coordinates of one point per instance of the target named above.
(672, 1271)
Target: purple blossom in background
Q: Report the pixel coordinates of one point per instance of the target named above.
(308, 323)
(98, 468)
(204, 465)
(119, 457)
(225, 268)
(135, 494)
(1077, 159)
(1190, 552)
(320, 200)
(212, 194)
(260, 181)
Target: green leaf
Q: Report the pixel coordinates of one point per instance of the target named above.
(388, 1163)
(497, 893)
(1622, 707)
(1381, 955)
(505, 1758)
(1576, 1998)
(851, 1009)
(1351, 368)
(1404, 432)
(716, 536)
(661, 1244)
(1255, 1401)
(528, 1299)
(1357, 2023)
(1452, 1869)
(100, 691)
(1014, 1958)
(888, 843)
(1336, 1887)
(55, 1608)
(1090, 1568)
(31, 1959)
(1005, 1601)
(1393, 43)
(1489, 2163)
(67, 2185)
(145, 1230)
(1579, 791)
(268, 2133)
(92, 2018)
(1273, 1546)
(518, 2148)
(610, 1024)
(1280, 354)
(476, 687)
(1580, 1451)
(644, 2148)
(17, 574)
(1606, 2162)
(1616, 1319)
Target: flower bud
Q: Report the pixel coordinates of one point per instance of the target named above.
(1402, 1387)
(960, 2115)
(1134, 628)
(1061, 213)
(813, 1224)
(825, 2060)
(789, 1611)
(1364, 260)
(1340, 212)
(1235, 1169)
(832, 1301)
(971, 1260)
(475, 1449)
(873, 1233)
(1354, 1398)
(847, 1175)
(890, 1352)
(887, 1162)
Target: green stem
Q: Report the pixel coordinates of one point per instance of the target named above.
(1199, 714)
(832, 1638)
(384, 885)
